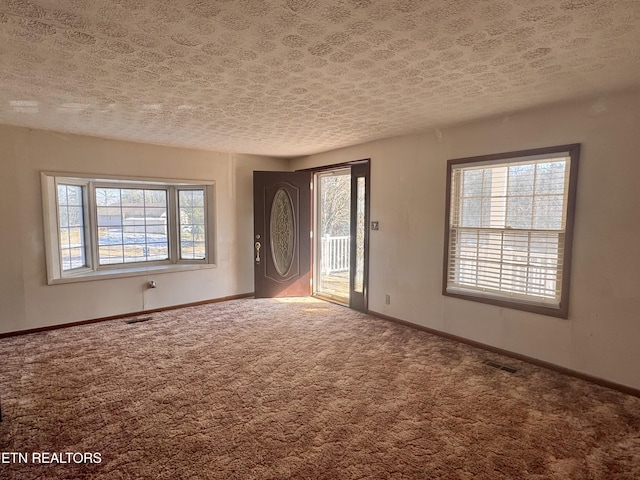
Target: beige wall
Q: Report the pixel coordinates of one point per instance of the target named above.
(601, 336)
(26, 301)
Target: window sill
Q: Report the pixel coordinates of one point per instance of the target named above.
(553, 310)
(129, 272)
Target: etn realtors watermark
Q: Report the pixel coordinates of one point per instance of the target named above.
(77, 458)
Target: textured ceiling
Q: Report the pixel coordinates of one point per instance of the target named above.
(293, 77)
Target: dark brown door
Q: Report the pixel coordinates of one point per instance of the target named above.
(282, 244)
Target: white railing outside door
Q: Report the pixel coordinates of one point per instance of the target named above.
(335, 254)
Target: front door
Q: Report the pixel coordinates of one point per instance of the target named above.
(282, 247)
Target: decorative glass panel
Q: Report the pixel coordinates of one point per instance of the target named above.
(282, 232)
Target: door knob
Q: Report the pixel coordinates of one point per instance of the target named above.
(258, 252)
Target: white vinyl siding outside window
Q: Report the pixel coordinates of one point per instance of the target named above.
(96, 227)
(507, 226)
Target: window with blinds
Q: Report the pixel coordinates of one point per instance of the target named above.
(509, 228)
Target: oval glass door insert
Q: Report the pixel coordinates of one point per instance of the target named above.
(283, 236)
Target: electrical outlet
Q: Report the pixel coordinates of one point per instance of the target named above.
(387, 299)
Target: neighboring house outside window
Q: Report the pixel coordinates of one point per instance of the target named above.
(509, 228)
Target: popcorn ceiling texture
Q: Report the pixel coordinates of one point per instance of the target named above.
(294, 77)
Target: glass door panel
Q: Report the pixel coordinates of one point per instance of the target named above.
(358, 295)
(358, 282)
(333, 239)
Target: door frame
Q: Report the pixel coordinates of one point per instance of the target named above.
(357, 300)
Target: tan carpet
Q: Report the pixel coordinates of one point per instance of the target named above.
(268, 389)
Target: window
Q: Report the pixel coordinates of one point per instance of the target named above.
(192, 225)
(71, 226)
(132, 225)
(509, 225)
(101, 226)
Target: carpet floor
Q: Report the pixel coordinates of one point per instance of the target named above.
(296, 389)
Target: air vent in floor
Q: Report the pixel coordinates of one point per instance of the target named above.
(500, 366)
(137, 320)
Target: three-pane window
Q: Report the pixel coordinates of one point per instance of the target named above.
(117, 224)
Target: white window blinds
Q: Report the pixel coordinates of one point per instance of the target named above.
(507, 227)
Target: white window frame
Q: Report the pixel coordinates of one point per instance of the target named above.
(93, 270)
(453, 283)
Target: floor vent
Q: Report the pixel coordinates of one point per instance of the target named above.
(137, 320)
(500, 366)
